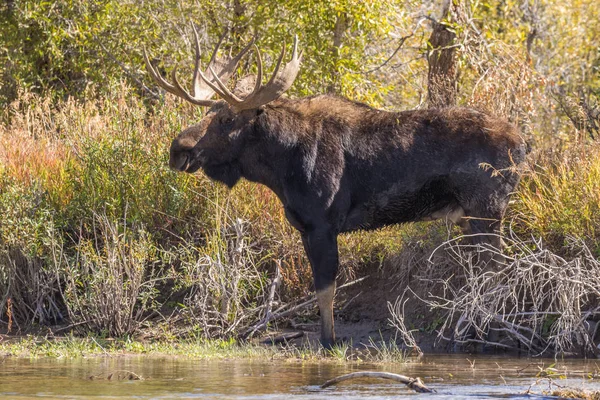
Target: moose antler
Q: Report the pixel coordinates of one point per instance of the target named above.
(280, 82)
(221, 68)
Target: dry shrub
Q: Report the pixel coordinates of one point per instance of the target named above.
(109, 283)
(498, 75)
(504, 83)
(533, 300)
(226, 281)
(29, 290)
(25, 277)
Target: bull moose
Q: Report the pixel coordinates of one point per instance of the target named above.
(338, 165)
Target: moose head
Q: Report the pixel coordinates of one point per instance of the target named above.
(218, 140)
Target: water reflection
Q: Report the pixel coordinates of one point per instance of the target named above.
(454, 377)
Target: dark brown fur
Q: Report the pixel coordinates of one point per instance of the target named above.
(340, 166)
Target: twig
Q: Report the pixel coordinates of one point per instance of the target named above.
(99, 345)
(415, 384)
(350, 301)
(66, 328)
(397, 321)
(403, 39)
(269, 307)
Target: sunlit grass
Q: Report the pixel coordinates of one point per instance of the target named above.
(386, 351)
(560, 196)
(76, 347)
(197, 348)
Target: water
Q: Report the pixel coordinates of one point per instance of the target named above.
(454, 377)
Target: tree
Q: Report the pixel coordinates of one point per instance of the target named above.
(442, 85)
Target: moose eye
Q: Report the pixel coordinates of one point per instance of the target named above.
(226, 121)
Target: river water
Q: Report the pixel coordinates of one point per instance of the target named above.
(453, 377)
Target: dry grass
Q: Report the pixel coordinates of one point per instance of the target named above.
(109, 284)
(560, 196)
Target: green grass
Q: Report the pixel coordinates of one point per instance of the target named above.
(76, 347)
(72, 347)
(386, 351)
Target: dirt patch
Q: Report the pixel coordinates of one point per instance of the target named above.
(362, 311)
(363, 316)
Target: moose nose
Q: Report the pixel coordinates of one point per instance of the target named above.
(179, 162)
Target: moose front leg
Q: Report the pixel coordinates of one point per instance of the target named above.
(321, 248)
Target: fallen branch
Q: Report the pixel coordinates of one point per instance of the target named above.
(66, 328)
(415, 384)
(283, 338)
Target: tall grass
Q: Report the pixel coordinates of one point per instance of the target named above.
(96, 231)
(559, 197)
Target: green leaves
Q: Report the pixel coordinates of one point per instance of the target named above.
(65, 47)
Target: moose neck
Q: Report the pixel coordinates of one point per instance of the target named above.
(272, 144)
(282, 135)
(262, 158)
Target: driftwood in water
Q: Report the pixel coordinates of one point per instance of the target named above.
(415, 384)
(118, 375)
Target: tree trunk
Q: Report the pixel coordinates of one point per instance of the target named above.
(341, 24)
(7, 8)
(442, 77)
